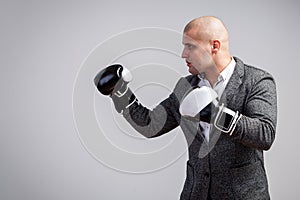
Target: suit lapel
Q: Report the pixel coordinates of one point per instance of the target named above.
(231, 90)
(234, 82)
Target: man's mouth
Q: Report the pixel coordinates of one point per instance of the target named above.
(188, 63)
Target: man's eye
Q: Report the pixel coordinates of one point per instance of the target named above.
(190, 46)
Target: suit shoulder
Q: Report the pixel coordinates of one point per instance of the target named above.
(255, 71)
(185, 80)
(183, 85)
(256, 74)
(250, 70)
(251, 75)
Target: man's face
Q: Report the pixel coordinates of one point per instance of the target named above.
(196, 53)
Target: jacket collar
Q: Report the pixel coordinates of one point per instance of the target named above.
(234, 82)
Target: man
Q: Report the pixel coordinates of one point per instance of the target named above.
(226, 139)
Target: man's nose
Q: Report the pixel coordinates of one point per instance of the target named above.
(183, 54)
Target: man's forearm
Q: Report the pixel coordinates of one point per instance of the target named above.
(153, 123)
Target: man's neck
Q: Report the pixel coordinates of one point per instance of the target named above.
(214, 72)
(212, 76)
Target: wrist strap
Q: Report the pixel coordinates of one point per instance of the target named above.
(122, 89)
(226, 119)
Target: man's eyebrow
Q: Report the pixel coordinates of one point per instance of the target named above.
(188, 44)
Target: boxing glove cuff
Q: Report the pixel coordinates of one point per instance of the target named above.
(226, 119)
(123, 99)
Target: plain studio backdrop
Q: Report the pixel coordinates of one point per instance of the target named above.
(50, 48)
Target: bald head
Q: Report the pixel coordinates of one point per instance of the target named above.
(206, 46)
(207, 28)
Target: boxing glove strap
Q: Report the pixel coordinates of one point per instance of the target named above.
(123, 100)
(226, 120)
(121, 93)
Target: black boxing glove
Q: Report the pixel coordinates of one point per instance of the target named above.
(113, 81)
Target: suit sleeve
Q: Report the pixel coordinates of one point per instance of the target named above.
(257, 126)
(156, 122)
(163, 118)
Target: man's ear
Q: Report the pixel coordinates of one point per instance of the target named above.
(215, 46)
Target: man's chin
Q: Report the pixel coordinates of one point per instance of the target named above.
(193, 71)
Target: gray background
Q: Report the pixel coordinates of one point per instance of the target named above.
(44, 43)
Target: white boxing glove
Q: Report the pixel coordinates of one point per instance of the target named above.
(196, 100)
(194, 103)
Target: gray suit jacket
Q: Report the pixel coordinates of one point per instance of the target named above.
(228, 167)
